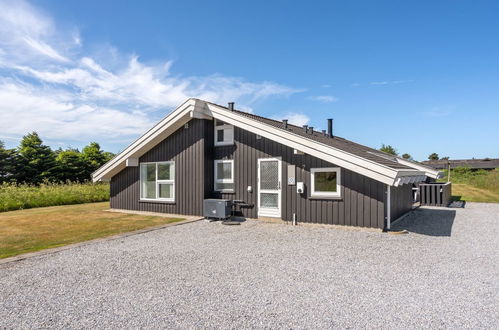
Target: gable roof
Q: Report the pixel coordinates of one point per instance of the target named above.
(372, 163)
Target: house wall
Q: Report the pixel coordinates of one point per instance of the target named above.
(401, 200)
(362, 202)
(187, 148)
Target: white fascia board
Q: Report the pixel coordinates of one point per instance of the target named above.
(428, 171)
(152, 137)
(328, 153)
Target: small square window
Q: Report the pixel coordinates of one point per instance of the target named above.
(325, 182)
(224, 133)
(224, 175)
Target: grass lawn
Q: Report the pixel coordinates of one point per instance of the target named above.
(41, 228)
(469, 193)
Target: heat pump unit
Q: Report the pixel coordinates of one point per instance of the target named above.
(217, 208)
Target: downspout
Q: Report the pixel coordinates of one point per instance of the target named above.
(388, 207)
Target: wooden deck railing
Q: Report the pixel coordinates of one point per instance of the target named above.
(435, 194)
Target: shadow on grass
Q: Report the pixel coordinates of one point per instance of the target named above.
(431, 222)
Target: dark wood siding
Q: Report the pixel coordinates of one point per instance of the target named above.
(401, 200)
(362, 200)
(186, 147)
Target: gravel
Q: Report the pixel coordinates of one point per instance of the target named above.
(443, 274)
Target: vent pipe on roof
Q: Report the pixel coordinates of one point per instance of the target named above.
(285, 123)
(305, 128)
(324, 132)
(231, 106)
(330, 128)
(311, 128)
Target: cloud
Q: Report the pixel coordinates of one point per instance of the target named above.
(48, 84)
(295, 118)
(325, 98)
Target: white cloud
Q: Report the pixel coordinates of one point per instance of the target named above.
(47, 84)
(325, 98)
(295, 118)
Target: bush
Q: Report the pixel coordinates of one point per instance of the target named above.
(482, 179)
(24, 196)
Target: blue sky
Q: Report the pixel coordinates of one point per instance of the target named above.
(422, 76)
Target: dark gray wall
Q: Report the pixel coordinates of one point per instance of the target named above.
(362, 202)
(401, 200)
(187, 148)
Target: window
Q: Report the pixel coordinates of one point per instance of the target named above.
(157, 181)
(326, 182)
(224, 175)
(224, 133)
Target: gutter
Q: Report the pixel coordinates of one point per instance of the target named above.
(388, 208)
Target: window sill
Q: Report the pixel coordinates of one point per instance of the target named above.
(156, 201)
(224, 144)
(326, 197)
(225, 191)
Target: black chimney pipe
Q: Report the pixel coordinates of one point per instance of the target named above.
(285, 123)
(330, 128)
(305, 128)
(311, 128)
(231, 106)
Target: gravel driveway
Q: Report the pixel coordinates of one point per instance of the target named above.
(443, 274)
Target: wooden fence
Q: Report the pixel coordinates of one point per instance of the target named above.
(435, 194)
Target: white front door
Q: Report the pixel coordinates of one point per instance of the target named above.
(269, 187)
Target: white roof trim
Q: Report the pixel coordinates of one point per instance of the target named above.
(194, 108)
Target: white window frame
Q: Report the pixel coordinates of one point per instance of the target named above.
(225, 127)
(217, 180)
(314, 193)
(158, 182)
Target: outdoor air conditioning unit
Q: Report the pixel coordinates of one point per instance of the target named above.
(217, 208)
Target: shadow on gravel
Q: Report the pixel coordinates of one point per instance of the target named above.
(431, 222)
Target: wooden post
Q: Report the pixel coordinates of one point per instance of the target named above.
(448, 170)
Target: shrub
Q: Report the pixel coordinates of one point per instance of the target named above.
(23, 196)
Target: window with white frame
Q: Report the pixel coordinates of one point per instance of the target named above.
(224, 175)
(157, 181)
(325, 182)
(224, 133)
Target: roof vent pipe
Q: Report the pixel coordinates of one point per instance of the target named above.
(330, 128)
(305, 128)
(231, 106)
(324, 132)
(311, 128)
(285, 123)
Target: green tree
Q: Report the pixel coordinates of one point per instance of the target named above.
(70, 166)
(388, 149)
(94, 157)
(407, 156)
(35, 161)
(7, 163)
(433, 156)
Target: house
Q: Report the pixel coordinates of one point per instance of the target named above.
(474, 164)
(204, 150)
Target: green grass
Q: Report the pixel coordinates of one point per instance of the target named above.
(21, 196)
(474, 186)
(48, 227)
